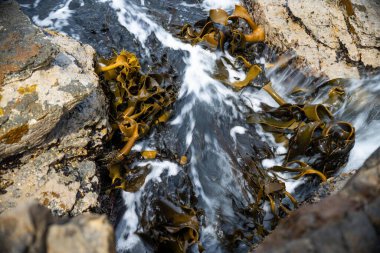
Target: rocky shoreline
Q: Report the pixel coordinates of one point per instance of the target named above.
(347, 221)
(53, 118)
(54, 125)
(332, 38)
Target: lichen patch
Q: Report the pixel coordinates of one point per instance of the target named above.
(14, 135)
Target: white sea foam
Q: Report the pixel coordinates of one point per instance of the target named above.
(366, 142)
(222, 4)
(237, 130)
(365, 95)
(57, 18)
(36, 3)
(130, 220)
(184, 4)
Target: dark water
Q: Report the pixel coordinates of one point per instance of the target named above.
(208, 123)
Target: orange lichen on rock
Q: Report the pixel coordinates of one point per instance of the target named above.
(16, 57)
(14, 135)
(27, 89)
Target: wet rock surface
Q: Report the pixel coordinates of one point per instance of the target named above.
(335, 38)
(32, 228)
(95, 23)
(32, 51)
(53, 74)
(53, 119)
(345, 222)
(332, 186)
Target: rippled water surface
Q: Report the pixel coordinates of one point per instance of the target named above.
(208, 123)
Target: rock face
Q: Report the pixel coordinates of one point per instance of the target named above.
(42, 78)
(331, 37)
(53, 117)
(31, 228)
(348, 221)
(332, 186)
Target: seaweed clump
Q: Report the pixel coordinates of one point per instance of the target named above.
(221, 29)
(232, 32)
(317, 143)
(139, 101)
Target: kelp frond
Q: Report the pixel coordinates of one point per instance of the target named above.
(139, 100)
(222, 29)
(318, 144)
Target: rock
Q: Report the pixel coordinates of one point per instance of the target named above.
(57, 179)
(348, 221)
(32, 228)
(84, 233)
(42, 78)
(331, 37)
(53, 120)
(23, 47)
(24, 229)
(332, 186)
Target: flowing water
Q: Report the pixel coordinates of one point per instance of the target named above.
(208, 123)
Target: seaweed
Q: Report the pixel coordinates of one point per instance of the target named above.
(177, 226)
(265, 186)
(317, 143)
(139, 100)
(222, 30)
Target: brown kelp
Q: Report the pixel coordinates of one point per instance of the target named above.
(222, 75)
(317, 143)
(139, 100)
(221, 29)
(177, 225)
(265, 188)
(168, 220)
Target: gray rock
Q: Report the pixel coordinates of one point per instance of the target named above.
(348, 221)
(85, 233)
(332, 186)
(23, 48)
(64, 184)
(329, 37)
(23, 229)
(42, 78)
(56, 119)
(31, 228)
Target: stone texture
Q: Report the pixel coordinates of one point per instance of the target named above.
(30, 228)
(331, 37)
(53, 118)
(332, 186)
(85, 233)
(62, 176)
(348, 221)
(32, 50)
(42, 78)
